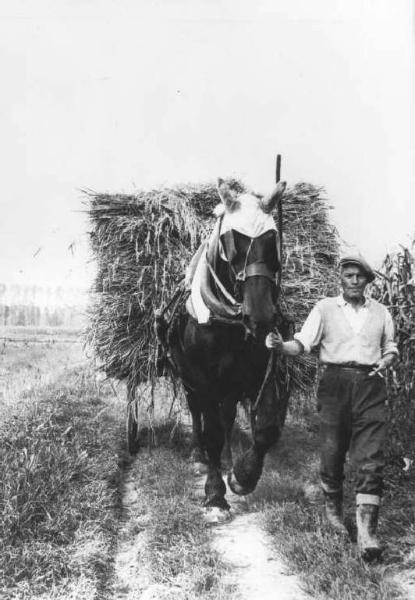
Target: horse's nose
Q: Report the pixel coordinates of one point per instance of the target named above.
(248, 326)
(259, 331)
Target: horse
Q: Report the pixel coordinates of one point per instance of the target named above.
(225, 359)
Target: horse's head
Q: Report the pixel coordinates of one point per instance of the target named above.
(250, 245)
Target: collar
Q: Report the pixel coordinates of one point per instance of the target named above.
(342, 302)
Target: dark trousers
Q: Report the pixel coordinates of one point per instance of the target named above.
(352, 414)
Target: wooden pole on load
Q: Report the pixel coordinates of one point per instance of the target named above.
(277, 179)
(270, 371)
(278, 169)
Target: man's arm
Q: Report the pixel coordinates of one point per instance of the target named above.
(304, 341)
(390, 353)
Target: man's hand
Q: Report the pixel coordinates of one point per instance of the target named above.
(291, 348)
(383, 363)
(274, 340)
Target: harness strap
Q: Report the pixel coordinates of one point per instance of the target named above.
(226, 307)
(222, 288)
(259, 268)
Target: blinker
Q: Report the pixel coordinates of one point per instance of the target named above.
(227, 248)
(248, 256)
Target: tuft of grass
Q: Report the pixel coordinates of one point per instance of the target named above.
(59, 488)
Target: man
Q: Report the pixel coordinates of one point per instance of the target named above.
(355, 338)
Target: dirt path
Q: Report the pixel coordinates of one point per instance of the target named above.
(255, 570)
(130, 579)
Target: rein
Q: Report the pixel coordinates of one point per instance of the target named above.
(268, 373)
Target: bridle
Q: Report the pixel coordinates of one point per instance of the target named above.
(249, 269)
(227, 267)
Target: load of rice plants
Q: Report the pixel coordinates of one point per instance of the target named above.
(142, 243)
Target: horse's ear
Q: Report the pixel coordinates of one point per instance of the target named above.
(225, 194)
(268, 203)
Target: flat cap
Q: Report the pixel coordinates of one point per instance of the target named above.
(357, 259)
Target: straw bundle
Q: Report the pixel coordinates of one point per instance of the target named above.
(395, 287)
(311, 249)
(142, 244)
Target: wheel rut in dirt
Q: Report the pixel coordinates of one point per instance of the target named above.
(129, 577)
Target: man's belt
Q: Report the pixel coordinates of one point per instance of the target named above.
(350, 365)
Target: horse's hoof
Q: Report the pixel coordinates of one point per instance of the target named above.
(236, 487)
(216, 501)
(213, 515)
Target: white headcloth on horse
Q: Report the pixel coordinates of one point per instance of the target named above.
(246, 213)
(248, 217)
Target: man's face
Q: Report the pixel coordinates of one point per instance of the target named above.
(354, 281)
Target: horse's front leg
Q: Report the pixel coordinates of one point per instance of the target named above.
(267, 427)
(228, 414)
(214, 438)
(198, 454)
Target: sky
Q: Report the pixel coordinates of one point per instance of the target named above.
(115, 96)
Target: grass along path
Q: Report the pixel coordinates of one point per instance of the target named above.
(59, 473)
(290, 501)
(81, 521)
(164, 549)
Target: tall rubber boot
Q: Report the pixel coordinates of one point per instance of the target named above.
(367, 521)
(334, 513)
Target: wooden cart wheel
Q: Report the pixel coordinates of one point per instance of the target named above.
(132, 427)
